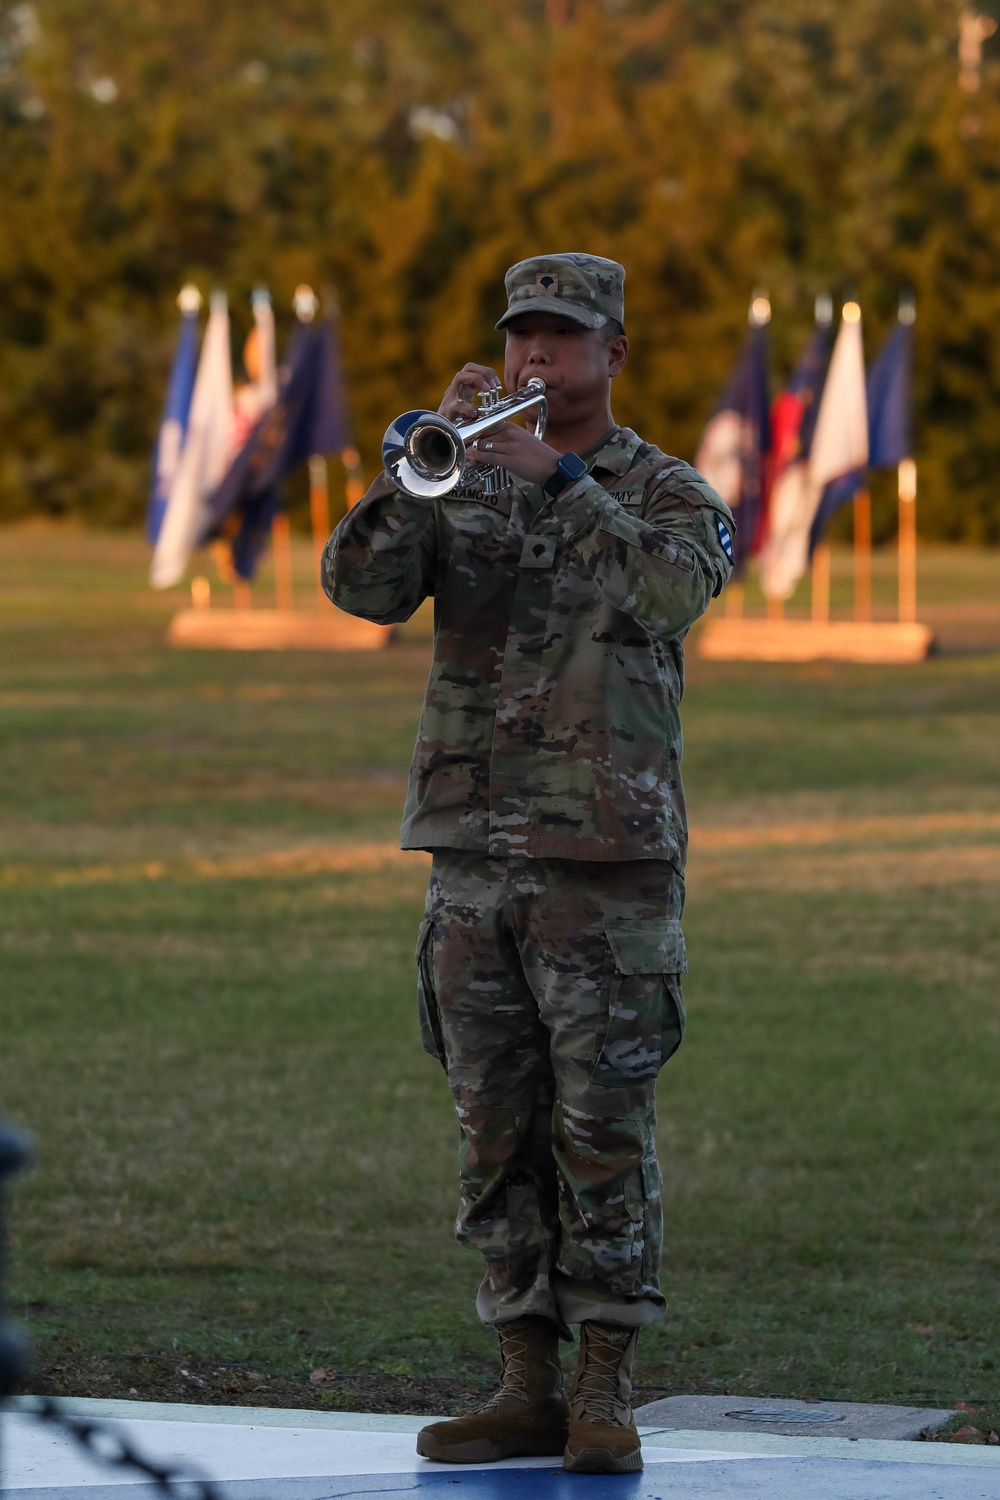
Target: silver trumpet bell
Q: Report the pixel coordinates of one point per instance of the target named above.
(425, 455)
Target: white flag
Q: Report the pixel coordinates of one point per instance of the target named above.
(839, 446)
(785, 551)
(840, 441)
(205, 457)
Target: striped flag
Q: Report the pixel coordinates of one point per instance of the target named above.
(839, 455)
(205, 455)
(176, 409)
(793, 421)
(837, 458)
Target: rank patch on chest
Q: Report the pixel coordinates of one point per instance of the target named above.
(538, 551)
(724, 537)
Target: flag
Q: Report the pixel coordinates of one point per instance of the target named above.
(205, 453)
(834, 457)
(890, 435)
(733, 451)
(890, 417)
(174, 422)
(309, 416)
(793, 421)
(839, 453)
(251, 400)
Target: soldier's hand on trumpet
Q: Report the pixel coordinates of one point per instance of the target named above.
(458, 401)
(511, 447)
(508, 447)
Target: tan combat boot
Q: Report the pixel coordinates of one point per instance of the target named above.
(602, 1435)
(527, 1418)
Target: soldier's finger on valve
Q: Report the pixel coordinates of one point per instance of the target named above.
(472, 378)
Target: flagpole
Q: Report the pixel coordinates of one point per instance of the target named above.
(281, 542)
(355, 487)
(863, 555)
(306, 304)
(907, 489)
(820, 602)
(821, 584)
(319, 511)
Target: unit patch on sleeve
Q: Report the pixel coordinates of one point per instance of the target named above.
(724, 537)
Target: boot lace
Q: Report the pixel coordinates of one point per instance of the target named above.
(514, 1359)
(597, 1391)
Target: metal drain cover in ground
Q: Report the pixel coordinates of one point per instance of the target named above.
(804, 1414)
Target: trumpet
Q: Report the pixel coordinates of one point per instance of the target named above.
(425, 455)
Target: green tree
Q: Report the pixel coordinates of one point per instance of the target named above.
(404, 154)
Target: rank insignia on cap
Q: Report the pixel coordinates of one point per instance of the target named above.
(724, 537)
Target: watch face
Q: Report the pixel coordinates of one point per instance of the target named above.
(573, 465)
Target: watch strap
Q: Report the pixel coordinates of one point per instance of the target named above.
(569, 469)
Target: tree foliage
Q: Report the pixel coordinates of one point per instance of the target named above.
(404, 153)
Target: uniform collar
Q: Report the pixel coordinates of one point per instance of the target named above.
(615, 454)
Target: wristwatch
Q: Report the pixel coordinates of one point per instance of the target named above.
(569, 469)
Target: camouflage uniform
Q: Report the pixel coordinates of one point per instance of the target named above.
(546, 779)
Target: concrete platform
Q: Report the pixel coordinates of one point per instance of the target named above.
(275, 630)
(725, 639)
(842, 1419)
(303, 1455)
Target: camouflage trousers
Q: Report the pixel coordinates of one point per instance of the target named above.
(549, 990)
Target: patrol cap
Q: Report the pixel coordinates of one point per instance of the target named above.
(586, 288)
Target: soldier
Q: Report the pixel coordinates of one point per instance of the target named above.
(546, 782)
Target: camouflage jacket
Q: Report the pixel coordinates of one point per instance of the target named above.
(551, 723)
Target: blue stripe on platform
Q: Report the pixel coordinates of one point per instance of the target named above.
(730, 1479)
(736, 1479)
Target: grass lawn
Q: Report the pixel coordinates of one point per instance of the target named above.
(246, 1164)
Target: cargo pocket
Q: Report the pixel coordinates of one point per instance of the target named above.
(427, 1009)
(641, 1020)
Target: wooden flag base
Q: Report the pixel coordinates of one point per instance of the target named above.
(275, 630)
(726, 639)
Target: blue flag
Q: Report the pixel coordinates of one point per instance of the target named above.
(174, 422)
(807, 384)
(890, 419)
(890, 422)
(309, 416)
(735, 444)
(837, 493)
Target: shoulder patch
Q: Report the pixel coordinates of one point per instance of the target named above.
(724, 537)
